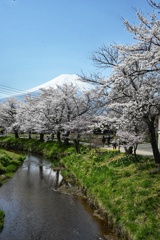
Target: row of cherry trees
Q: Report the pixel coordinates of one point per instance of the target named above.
(53, 111)
(130, 96)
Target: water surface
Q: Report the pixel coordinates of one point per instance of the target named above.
(34, 210)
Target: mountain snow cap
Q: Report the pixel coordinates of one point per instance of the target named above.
(61, 80)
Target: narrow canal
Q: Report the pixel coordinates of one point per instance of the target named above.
(34, 210)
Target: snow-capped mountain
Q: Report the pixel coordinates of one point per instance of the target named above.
(61, 80)
(58, 81)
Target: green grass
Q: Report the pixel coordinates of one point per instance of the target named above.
(9, 162)
(126, 189)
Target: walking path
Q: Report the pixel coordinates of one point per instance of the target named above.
(143, 149)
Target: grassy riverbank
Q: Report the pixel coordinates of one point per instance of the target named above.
(9, 162)
(126, 191)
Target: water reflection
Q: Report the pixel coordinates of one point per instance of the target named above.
(53, 178)
(34, 211)
(41, 171)
(46, 173)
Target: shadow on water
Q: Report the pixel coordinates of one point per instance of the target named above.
(34, 210)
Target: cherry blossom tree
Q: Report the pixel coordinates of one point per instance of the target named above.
(26, 115)
(62, 110)
(133, 88)
(8, 115)
(36, 114)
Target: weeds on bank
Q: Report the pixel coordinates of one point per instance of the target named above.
(9, 162)
(128, 189)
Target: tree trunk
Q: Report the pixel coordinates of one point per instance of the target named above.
(66, 138)
(77, 146)
(135, 149)
(135, 146)
(153, 141)
(76, 143)
(16, 134)
(42, 137)
(59, 137)
(29, 135)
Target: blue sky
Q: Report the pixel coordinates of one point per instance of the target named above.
(41, 39)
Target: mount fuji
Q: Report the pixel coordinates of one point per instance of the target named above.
(61, 80)
(58, 81)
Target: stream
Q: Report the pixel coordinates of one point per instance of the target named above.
(34, 210)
